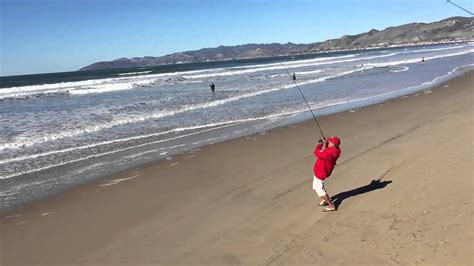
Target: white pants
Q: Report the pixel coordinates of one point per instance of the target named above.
(318, 186)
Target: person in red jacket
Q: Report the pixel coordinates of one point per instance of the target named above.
(327, 152)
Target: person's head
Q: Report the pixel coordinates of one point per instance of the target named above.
(334, 141)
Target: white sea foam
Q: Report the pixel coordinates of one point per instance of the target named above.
(116, 141)
(336, 59)
(437, 49)
(403, 69)
(288, 65)
(21, 143)
(302, 61)
(76, 87)
(208, 127)
(213, 126)
(412, 88)
(309, 72)
(127, 83)
(278, 75)
(451, 72)
(416, 60)
(319, 62)
(112, 87)
(133, 82)
(134, 73)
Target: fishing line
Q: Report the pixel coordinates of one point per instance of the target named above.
(449, 1)
(309, 107)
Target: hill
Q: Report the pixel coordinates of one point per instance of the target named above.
(448, 30)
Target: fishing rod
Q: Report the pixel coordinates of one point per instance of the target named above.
(449, 1)
(309, 107)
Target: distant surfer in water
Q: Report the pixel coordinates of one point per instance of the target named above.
(423, 59)
(213, 87)
(362, 67)
(293, 76)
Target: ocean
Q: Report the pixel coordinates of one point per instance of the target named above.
(61, 130)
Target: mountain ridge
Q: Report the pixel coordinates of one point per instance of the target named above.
(453, 29)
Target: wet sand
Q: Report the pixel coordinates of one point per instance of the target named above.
(403, 186)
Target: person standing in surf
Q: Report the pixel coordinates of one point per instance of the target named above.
(213, 87)
(327, 152)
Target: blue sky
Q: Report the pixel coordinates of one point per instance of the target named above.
(42, 36)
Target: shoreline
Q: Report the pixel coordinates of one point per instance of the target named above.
(300, 119)
(249, 200)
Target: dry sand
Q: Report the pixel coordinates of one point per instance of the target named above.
(249, 201)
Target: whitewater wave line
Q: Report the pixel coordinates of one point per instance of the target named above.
(133, 82)
(215, 126)
(134, 73)
(273, 66)
(437, 49)
(413, 88)
(346, 56)
(153, 116)
(63, 86)
(416, 60)
(33, 156)
(161, 114)
(118, 84)
(400, 70)
(302, 61)
(219, 126)
(279, 67)
(69, 87)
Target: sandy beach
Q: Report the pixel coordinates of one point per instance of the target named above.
(404, 190)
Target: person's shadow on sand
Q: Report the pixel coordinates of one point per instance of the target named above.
(373, 185)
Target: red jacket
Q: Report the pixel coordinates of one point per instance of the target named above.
(326, 161)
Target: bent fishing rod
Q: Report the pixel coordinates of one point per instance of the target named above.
(458, 6)
(302, 95)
